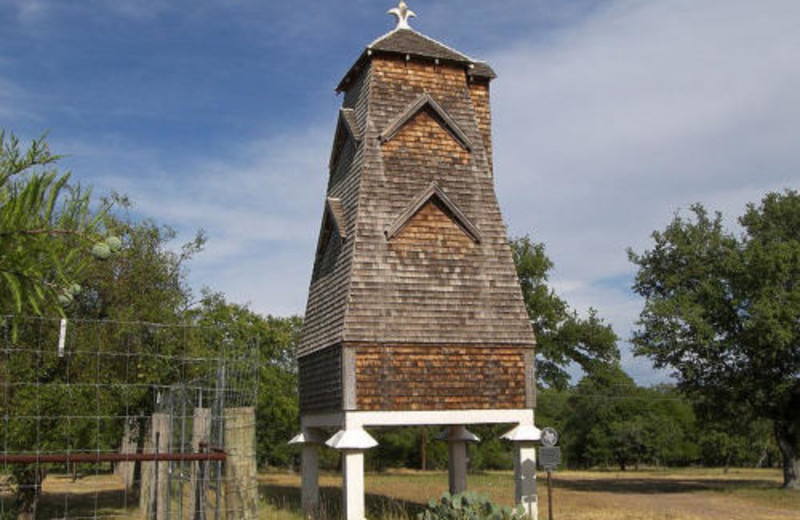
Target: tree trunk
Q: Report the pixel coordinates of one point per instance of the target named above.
(762, 458)
(29, 489)
(424, 449)
(788, 436)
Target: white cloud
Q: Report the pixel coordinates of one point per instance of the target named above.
(32, 12)
(28, 11)
(607, 128)
(261, 209)
(14, 104)
(138, 9)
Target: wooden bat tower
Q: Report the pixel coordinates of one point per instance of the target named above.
(415, 314)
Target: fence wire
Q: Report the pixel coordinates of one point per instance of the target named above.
(126, 420)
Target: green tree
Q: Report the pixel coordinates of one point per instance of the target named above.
(672, 427)
(562, 336)
(603, 427)
(611, 419)
(53, 235)
(723, 310)
(275, 340)
(47, 229)
(146, 280)
(50, 230)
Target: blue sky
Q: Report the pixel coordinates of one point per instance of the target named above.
(610, 116)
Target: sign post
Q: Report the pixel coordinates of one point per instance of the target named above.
(549, 496)
(550, 458)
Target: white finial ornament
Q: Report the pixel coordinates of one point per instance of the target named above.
(403, 13)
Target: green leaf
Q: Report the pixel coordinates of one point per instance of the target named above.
(16, 290)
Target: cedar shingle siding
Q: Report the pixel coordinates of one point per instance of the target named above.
(430, 300)
(321, 380)
(449, 377)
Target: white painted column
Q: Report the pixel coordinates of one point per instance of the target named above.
(309, 441)
(525, 478)
(524, 438)
(457, 438)
(352, 443)
(353, 484)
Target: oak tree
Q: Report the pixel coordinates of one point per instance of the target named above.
(562, 336)
(722, 309)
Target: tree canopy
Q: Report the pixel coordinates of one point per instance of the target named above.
(275, 339)
(562, 336)
(612, 420)
(48, 227)
(723, 310)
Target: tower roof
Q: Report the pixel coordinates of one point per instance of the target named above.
(406, 42)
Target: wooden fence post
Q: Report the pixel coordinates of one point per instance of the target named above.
(198, 487)
(126, 470)
(153, 500)
(241, 486)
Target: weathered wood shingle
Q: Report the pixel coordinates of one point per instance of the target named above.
(431, 282)
(407, 44)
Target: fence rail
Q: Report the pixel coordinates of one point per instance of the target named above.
(87, 458)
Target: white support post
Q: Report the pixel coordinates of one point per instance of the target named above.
(524, 438)
(309, 440)
(353, 484)
(352, 443)
(525, 478)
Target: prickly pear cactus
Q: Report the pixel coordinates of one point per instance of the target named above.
(467, 506)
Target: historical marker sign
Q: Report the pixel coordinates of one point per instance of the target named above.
(549, 437)
(550, 457)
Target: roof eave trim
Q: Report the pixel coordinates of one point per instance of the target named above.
(414, 108)
(351, 127)
(489, 73)
(352, 71)
(433, 190)
(468, 66)
(333, 206)
(338, 144)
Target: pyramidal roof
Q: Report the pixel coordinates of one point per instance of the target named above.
(409, 41)
(405, 41)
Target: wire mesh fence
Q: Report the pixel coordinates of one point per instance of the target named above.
(126, 420)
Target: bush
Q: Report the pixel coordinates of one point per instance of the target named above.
(467, 506)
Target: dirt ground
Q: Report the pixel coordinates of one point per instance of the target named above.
(687, 494)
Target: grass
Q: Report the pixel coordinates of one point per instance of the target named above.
(683, 494)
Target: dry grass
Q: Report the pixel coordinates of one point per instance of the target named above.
(101, 496)
(688, 494)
